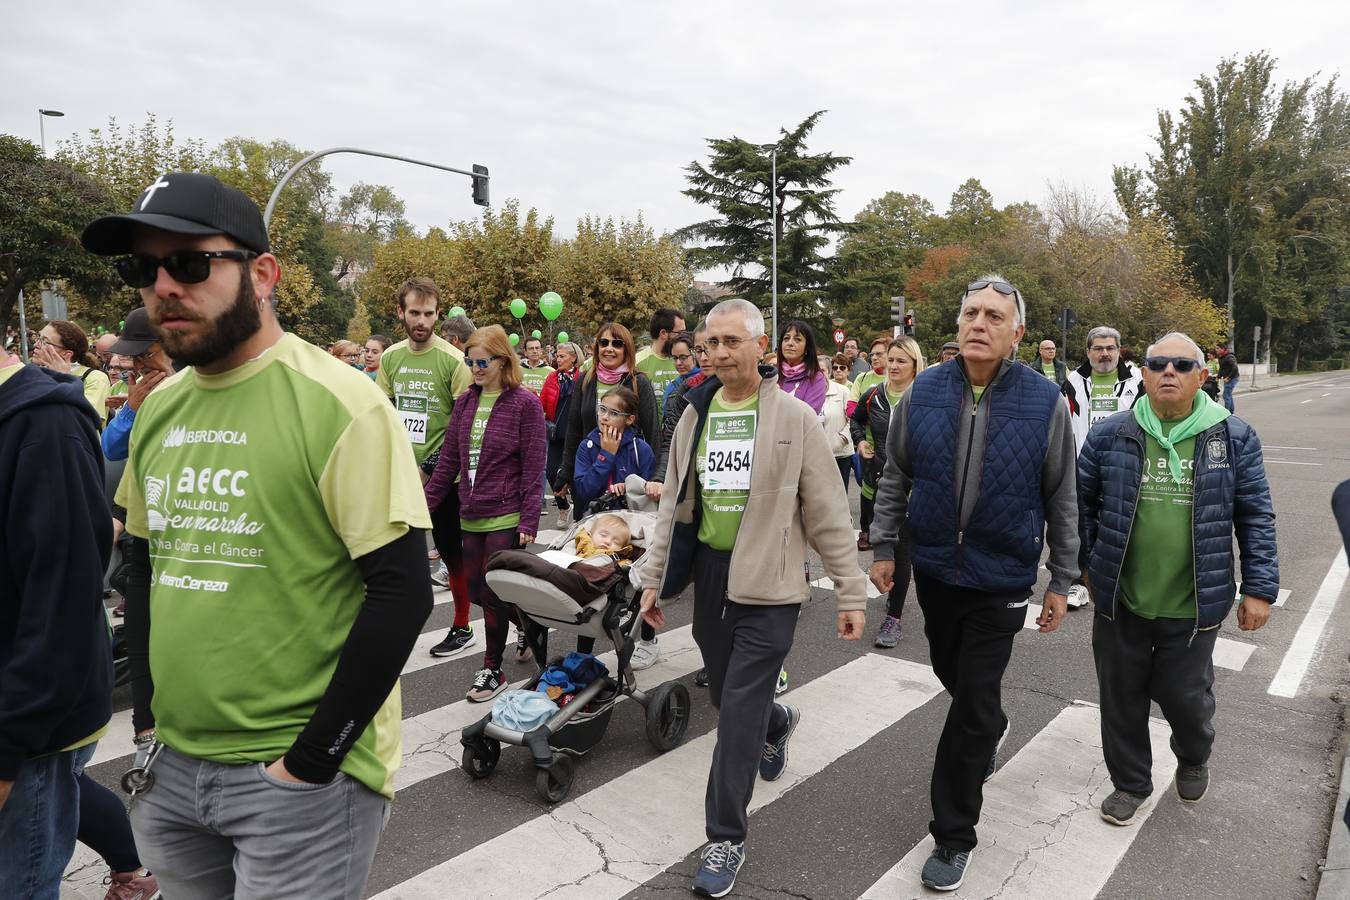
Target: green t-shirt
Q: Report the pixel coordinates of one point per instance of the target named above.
(1103, 403)
(726, 449)
(534, 378)
(601, 389)
(119, 388)
(977, 392)
(1048, 370)
(477, 429)
(1157, 579)
(423, 385)
(257, 489)
(660, 371)
(862, 383)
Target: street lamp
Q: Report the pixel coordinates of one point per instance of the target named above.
(42, 131)
(772, 150)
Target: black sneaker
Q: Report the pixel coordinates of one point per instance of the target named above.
(774, 759)
(522, 647)
(487, 683)
(1192, 782)
(457, 640)
(993, 760)
(701, 678)
(945, 868)
(1120, 807)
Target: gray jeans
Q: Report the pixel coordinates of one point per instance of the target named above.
(210, 830)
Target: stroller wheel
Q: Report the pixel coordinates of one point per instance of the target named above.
(554, 782)
(667, 715)
(480, 763)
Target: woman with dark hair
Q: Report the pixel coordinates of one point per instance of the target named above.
(613, 363)
(799, 371)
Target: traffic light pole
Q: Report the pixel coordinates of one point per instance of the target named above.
(479, 174)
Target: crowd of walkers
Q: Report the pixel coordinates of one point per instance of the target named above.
(282, 519)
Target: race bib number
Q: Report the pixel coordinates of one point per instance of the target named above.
(731, 447)
(1102, 408)
(412, 411)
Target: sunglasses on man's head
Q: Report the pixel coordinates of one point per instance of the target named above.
(1183, 364)
(609, 342)
(139, 270)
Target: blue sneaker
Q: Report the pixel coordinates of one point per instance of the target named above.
(774, 760)
(945, 868)
(722, 860)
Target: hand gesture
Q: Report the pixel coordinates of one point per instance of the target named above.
(866, 450)
(141, 386)
(609, 438)
(652, 614)
(49, 357)
(618, 488)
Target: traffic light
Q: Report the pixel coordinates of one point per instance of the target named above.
(909, 324)
(480, 185)
(897, 309)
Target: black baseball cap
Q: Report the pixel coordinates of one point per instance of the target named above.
(137, 336)
(182, 203)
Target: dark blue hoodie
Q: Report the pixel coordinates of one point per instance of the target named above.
(596, 470)
(55, 540)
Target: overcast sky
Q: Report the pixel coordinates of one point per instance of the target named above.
(582, 107)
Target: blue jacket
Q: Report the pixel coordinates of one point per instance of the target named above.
(117, 435)
(595, 470)
(1231, 494)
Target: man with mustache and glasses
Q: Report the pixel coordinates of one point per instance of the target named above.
(1095, 391)
(285, 594)
(1162, 489)
(980, 469)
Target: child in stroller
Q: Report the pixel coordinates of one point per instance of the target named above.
(592, 597)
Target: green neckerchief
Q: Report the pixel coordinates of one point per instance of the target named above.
(1205, 413)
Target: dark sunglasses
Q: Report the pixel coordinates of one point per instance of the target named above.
(609, 342)
(840, 368)
(480, 363)
(1003, 288)
(1183, 364)
(186, 266)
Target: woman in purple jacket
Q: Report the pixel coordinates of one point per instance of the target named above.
(799, 371)
(494, 453)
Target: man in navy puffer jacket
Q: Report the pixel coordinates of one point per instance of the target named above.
(1161, 490)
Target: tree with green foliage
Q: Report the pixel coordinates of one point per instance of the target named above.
(44, 204)
(889, 238)
(737, 184)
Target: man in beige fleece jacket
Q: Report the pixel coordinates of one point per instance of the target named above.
(750, 481)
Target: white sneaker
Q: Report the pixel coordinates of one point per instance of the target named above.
(1078, 596)
(645, 654)
(440, 575)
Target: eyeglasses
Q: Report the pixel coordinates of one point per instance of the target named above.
(700, 351)
(609, 342)
(1003, 288)
(731, 343)
(139, 270)
(1183, 364)
(1111, 349)
(682, 357)
(839, 368)
(611, 412)
(480, 363)
(44, 341)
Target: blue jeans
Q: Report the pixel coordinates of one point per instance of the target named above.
(1228, 387)
(38, 823)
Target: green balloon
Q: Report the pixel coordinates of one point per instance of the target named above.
(536, 334)
(455, 311)
(551, 305)
(518, 308)
(563, 337)
(513, 338)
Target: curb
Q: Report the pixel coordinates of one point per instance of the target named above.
(1335, 870)
(1310, 378)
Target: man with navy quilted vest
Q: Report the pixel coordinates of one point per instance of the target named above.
(1161, 491)
(980, 469)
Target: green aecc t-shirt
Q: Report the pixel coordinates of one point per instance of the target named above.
(1157, 579)
(257, 490)
(423, 385)
(726, 449)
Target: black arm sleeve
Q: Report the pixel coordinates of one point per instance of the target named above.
(674, 409)
(398, 601)
(135, 589)
(573, 434)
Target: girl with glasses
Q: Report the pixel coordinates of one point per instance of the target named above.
(493, 456)
(64, 347)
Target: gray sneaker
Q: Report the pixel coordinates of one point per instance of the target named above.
(1192, 782)
(1120, 807)
(945, 868)
(889, 634)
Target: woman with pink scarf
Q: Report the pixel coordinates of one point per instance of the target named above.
(799, 371)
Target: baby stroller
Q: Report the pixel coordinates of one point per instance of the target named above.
(581, 724)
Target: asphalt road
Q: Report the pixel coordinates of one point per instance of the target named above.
(850, 817)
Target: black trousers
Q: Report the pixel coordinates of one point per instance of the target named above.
(970, 637)
(743, 646)
(895, 600)
(1142, 660)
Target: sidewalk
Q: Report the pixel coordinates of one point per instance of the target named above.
(1275, 382)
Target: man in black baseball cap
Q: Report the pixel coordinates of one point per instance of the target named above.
(264, 446)
(150, 366)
